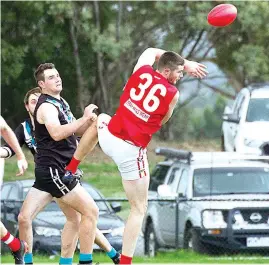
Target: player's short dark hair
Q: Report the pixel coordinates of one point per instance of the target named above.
(31, 92)
(39, 72)
(170, 60)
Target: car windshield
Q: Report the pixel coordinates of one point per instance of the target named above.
(258, 110)
(217, 181)
(103, 206)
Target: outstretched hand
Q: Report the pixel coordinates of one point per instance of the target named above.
(195, 69)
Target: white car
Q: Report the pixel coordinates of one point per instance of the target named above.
(209, 202)
(245, 127)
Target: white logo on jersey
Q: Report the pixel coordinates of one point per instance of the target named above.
(136, 110)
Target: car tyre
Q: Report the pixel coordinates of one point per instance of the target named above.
(193, 242)
(151, 244)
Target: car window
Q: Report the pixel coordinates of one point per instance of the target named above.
(14, 193)
(183, 183)
(219, 181)
(174, 179)
(172, 176)
(258, 110)
(5, 191)
(158, 176)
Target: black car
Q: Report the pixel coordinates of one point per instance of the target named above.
(48, 224)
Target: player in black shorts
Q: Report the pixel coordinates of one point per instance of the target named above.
(55, 127)
(25, 135)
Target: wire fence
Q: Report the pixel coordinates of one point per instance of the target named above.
(203, 225)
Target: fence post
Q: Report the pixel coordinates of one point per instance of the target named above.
(177, 216)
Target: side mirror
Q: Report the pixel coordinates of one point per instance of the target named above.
(165, 191)
(231, 118)
(116, 206)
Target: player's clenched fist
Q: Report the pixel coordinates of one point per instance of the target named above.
(89, 112)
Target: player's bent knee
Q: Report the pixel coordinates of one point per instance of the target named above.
(24, 219)
(92, 212)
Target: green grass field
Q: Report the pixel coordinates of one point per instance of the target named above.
(162, 257)
(100, 171)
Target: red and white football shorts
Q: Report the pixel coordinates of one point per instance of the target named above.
(131, 160)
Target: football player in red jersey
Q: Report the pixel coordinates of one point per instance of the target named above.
(147, 102)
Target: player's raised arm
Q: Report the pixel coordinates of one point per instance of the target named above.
(148, 57)
(48, 114)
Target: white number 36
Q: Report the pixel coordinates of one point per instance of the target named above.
(151, 95)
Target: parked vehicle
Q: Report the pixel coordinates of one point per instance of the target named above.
(245, 126)
(220, 202)
(48, 224)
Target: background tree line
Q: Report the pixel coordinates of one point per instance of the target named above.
(95, 45)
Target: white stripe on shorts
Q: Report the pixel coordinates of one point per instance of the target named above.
(57, 180)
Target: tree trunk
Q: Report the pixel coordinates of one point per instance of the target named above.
(100, 61)
(80, 80)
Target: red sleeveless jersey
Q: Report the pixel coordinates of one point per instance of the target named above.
(143, 105)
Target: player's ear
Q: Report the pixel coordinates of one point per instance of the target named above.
(41, 84)
(26, 106)
(167, 71)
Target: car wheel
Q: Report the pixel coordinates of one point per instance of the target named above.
(151, 245)
(193, 242)
(188, 239)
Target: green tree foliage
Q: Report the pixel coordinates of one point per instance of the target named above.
(242, 50)
(95, 44)
(208, 123)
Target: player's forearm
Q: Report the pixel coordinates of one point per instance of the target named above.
(61, 132)
(12, 141)
(84, 128)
